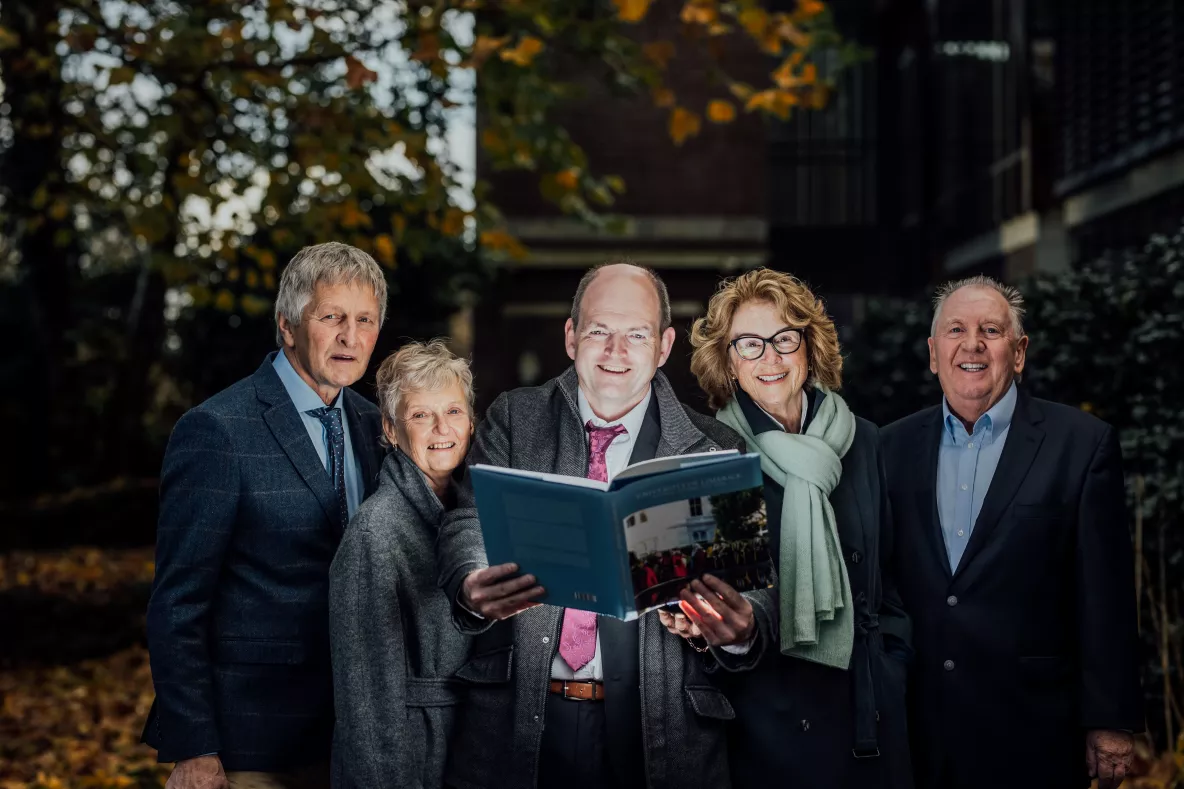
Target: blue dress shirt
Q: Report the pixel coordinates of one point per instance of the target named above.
(965, 466)
(306, 399)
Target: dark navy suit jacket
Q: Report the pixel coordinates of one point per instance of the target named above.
(238, 624)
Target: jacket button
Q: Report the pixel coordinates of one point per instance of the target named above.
(861, 597)
(805, 725)
(856, 557)
(546, 639)
(951, 601)
(948, 665)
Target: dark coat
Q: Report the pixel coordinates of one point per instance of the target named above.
(798, 722)
(238, 620)
(395, 652)
(664, 718)
(1032, 640)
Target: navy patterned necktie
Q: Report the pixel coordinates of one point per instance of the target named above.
(331, 419)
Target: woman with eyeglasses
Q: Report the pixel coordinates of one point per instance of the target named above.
(815, 666)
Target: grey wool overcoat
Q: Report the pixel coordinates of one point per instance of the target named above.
(395, 653)
(677, 715)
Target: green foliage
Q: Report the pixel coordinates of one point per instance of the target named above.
(738, 515)
(161, 161)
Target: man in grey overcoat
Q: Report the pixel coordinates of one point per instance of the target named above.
(561, 698)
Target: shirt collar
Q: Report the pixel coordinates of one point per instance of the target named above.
(631, 421)
(993, 424)
(304, 397)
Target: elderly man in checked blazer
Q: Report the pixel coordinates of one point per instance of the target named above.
(563, 698)
(257, 486)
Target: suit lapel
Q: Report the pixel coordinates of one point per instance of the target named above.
(930, 444)
(285, 424)
(646, 445)
(1023, 443)
(364, 435)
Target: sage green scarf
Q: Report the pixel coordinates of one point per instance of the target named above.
(816, 621)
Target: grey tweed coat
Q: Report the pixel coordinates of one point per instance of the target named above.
(499, 733)
(395, 655)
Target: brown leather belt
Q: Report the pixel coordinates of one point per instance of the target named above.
(581, 691)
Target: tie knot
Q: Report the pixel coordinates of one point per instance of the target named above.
(601, 437)
(329, 417)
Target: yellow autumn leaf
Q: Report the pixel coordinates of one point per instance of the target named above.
(524, 53)
(683, 125)
(500, 241)
(632, 10)
(255, 306)
(663, 97)
(754, 20)
(352, 217)
(773, 101)
(483, 48)
(266, 258)
(224, 301)
(740, 90)
(810, 8)
(787, 30)
(384, 249)
(699, 12)
(819, 96)
(786, 77)
(58, 210)
(252, 278)
(569, 179)
(8, 39)
(453, 223)
(720, 111)
(658, 52)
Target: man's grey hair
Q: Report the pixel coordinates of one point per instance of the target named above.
(332, 263)
(659, 286)
(1010, 294)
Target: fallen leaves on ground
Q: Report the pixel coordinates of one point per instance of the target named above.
(77, 571)
(76, 725)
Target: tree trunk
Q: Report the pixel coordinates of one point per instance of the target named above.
(38, 225)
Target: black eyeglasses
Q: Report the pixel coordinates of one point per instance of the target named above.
(751, 348)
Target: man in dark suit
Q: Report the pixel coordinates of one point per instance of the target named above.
(257, 486)
(1015, 565)
(561, 698)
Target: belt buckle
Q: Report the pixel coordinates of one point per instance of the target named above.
(565, 694)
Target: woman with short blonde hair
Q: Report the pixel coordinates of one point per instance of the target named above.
(817, 678)
(395, 653)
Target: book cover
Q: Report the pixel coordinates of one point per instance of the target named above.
(629, 546)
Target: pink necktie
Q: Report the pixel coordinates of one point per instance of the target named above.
(577, 640)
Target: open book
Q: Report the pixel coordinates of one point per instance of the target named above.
(628, 546)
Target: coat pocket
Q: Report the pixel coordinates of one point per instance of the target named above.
(708, 702)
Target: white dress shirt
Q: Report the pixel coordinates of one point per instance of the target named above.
(616, 459)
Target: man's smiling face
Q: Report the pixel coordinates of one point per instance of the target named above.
(619, 342)
(974, 351)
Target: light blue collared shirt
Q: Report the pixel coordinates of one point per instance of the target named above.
(965, 466)
(306, 399)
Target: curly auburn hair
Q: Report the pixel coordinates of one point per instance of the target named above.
(796, 302)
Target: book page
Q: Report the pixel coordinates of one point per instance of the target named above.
(561, 479)
(673, 543)
(660, 465)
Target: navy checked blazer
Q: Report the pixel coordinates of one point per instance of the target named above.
(238, 621)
